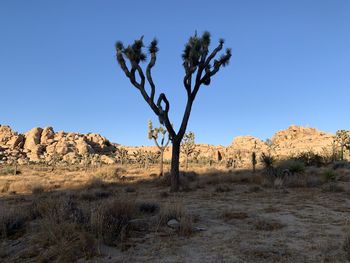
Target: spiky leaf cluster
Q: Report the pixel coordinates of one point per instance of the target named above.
(154, 133)
(134, 52)
(188, 145)
(197, 49)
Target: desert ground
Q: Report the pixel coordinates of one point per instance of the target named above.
(115, 213)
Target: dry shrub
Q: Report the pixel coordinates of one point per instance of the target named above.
(346, 245)
(38, 189)
(13, 221)
(313, 181)
(264, 225)
(109, 220)
(176, 211)
(9, 170)
(94, 194)
(20, 187)
(4, 188)
(254, 189)
(130, 189)
(164, 194)
(278, 182)
(65, 242)
(186, 226)
(95, 182)
(222, 188)
(148, 207)
(295, 181)
(334, 188)
(229, 215)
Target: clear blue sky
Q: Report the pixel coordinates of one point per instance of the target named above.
(290, 65)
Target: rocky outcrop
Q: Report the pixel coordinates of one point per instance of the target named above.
(44, 145)
(285, 143)
(297, 139)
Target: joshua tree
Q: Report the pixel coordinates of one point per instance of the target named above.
(254, 162)
(122, 155)
(155, 134)
(200, 66)
(188, 146)
(342, 137)
(268, 161)
(140, 157)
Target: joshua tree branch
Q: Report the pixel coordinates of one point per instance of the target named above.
(149, 76)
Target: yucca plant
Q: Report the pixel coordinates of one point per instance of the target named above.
(268, 162)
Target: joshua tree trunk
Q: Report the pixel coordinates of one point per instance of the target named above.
(175, 163)
(186, 167)
(161, 173)
(342, 152)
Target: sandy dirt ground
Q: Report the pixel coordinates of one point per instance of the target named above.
(234, 221)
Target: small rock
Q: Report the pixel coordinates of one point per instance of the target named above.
(199, 229)
(173, 223)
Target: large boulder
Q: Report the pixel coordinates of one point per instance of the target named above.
(17, 141)
(32, 139)
(47, 135)
(9, 138)
(107, 159)
(83, 147)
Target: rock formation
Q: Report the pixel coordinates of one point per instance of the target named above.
(44, 145)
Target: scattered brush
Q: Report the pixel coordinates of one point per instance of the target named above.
(175, 212)
(346, 244)
(222, 189)
(229, 215)
(13, 221)
(329, 175)
(148, 207)
(109, 221)
(264, 225)
(130, 189)
(38, 189)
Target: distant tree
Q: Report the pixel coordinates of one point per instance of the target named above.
(188, 146)
(200, 66)
(254, 161)
(163, 135)
(342, 137)
(122, 155)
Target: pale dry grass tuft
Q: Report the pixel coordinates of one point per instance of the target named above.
(346, 245)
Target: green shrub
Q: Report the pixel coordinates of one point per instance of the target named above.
(329, 175)
(293, 166)
(311, 159)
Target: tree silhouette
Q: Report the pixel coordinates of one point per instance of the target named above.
(200, 66)
(342, 137)
(155, 134)
(188, 146)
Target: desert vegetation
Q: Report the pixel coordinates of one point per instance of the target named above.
(71, 197)
(125, 212)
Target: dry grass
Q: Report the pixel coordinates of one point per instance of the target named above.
(175, 210)
(13, 221)
(267, 225)
(346, 245)
(98, 210)
(230, 215)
